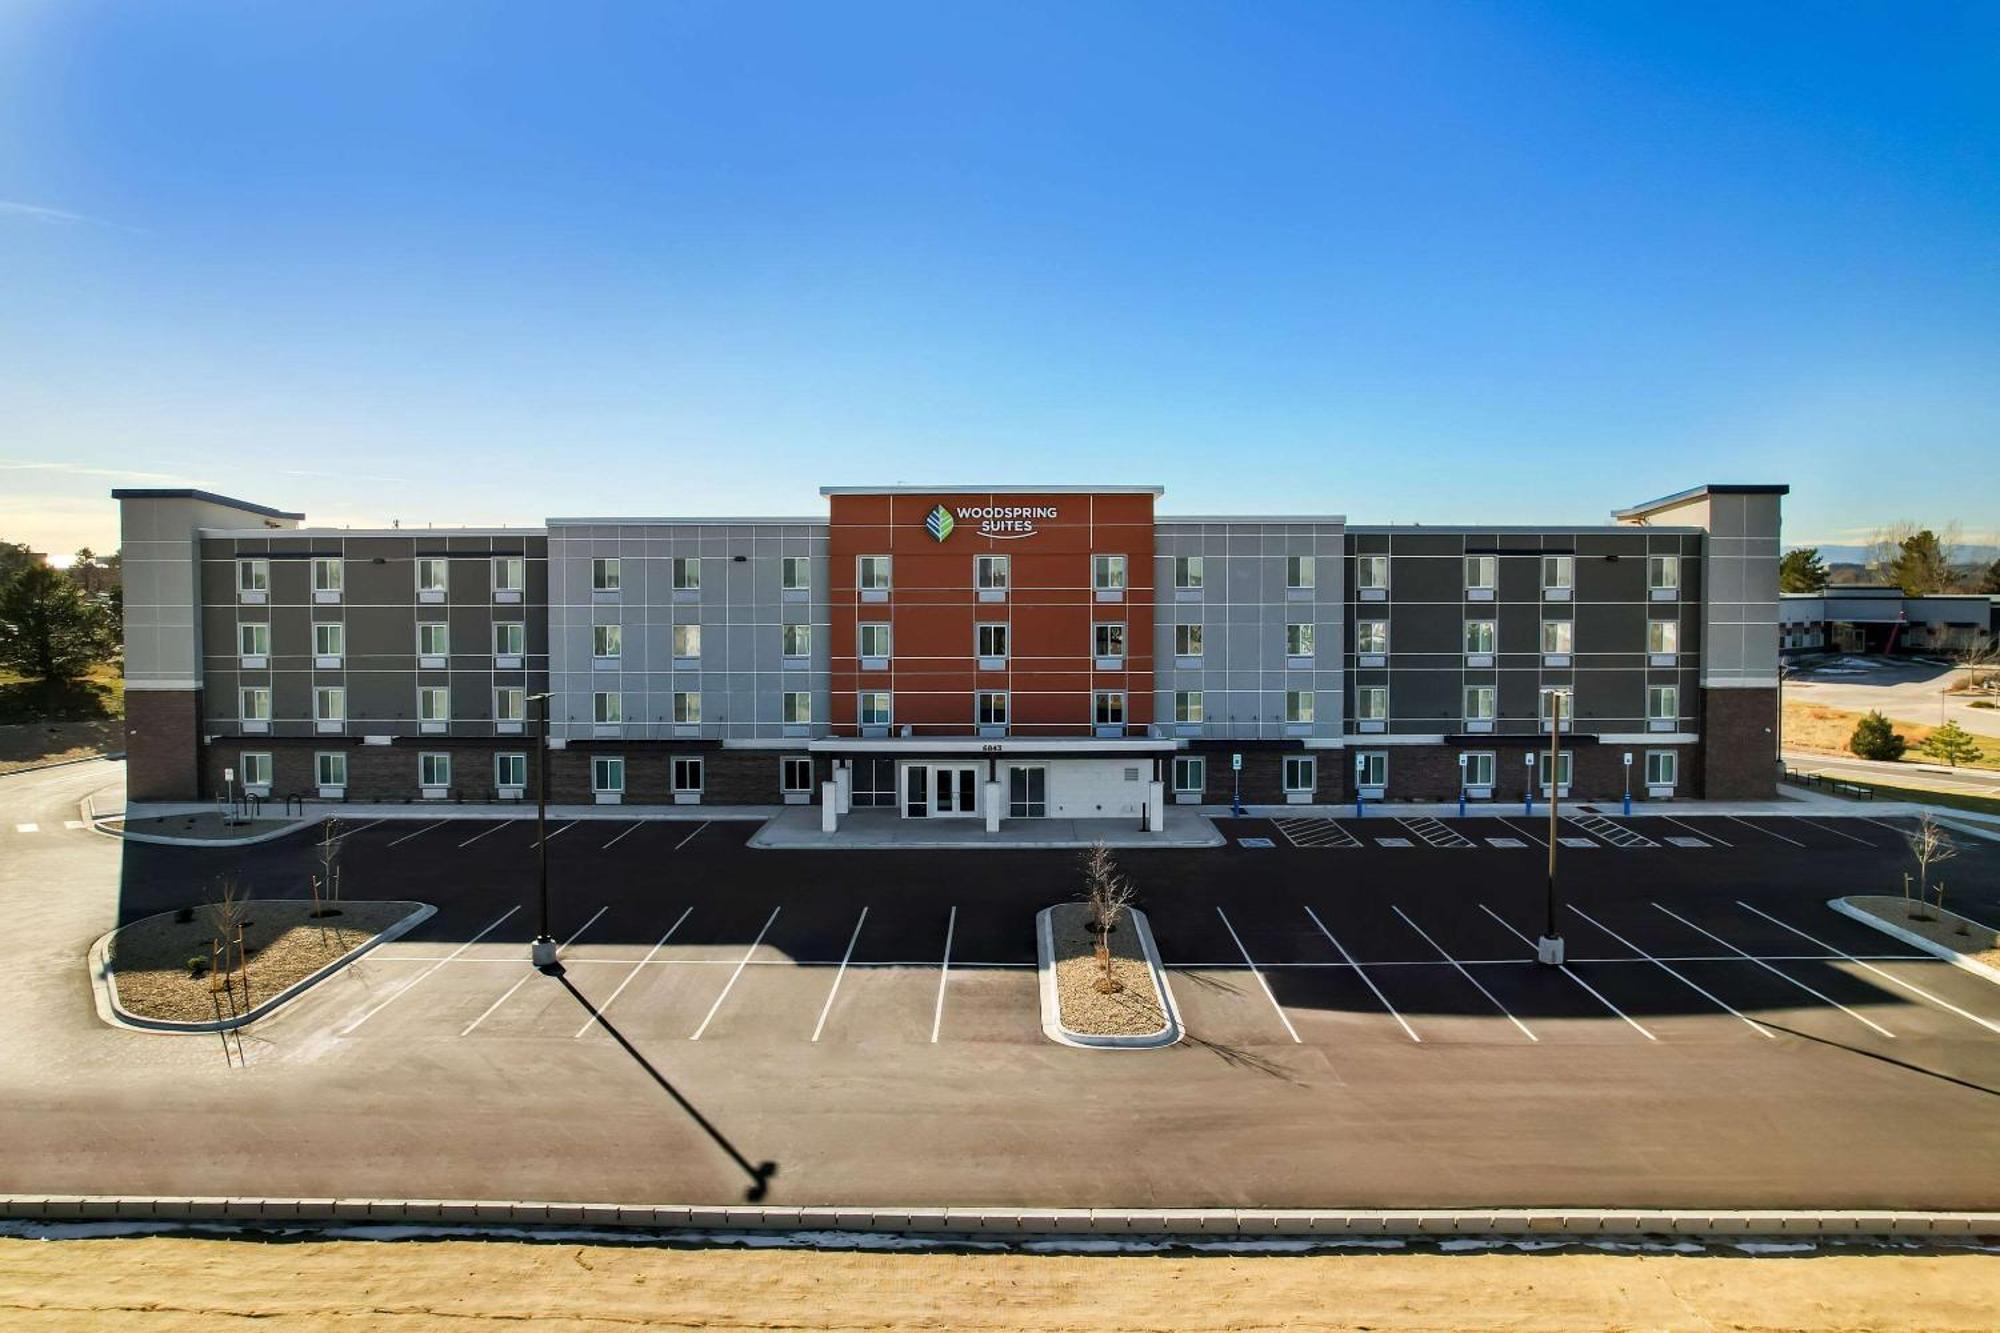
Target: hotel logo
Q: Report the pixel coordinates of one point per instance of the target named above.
(938, 523)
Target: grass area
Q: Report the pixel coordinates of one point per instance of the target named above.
(101, 694)
(1978, 805)
(1823, 730)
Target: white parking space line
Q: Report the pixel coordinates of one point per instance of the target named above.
(1901, 833)
(661, 943)
(27, 828)
(1661, 963)
(1759, 829)
(432, 968)
(696, 1036)
(1776, 973)
(1699, 833)
(937, 1014)
(555, 833)
(634, 828)
(834, 989)
(1539, 842)
(363, 828)
(1462, 972)
(1362, 972)
(498, 824)
(1988, 1024)
(74, 823)
(419, 833)
(529, 974)
(1264, 985)
(692, 836)
(1564, 969)
(1828, 827)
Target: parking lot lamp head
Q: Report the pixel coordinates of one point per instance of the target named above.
(542, 953)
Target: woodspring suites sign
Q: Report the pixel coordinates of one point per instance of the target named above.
(995, 522)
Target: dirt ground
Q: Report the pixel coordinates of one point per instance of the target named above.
(179, 1283)
(25, 744)
(1822, 730)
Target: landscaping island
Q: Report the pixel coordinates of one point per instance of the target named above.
(1138, 1013)
(1945, 933)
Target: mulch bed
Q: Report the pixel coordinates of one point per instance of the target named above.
(1132, 1011)
(1944, 927)
(282, 941)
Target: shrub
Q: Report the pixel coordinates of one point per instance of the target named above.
(196, 965)
(1874, 738)
(1951, 744)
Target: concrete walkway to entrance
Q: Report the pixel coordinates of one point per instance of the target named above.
(798, 828)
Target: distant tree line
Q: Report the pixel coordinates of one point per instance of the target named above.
(1916, 559)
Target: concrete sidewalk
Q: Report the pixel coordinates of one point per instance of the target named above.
(432, 811)
(797, 828)
(1792, 802)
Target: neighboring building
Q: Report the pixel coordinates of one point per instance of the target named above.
(1861, 618)
(1056, 650)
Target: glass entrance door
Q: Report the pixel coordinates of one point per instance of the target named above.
(955, 790)
(916, 791)
(1027, 792)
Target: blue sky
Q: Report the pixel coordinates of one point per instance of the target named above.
(1402, 261)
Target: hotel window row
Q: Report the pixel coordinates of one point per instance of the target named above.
(329, 643)
(433, 577)
(1482, 575)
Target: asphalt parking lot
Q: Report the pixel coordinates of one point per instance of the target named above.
(1365, 1025)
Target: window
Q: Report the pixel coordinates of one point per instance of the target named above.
(687, 641)
(687, 707)
(1478, 769)
(256, 704)
(510, 573)
(687, 573)
(510, 771)
(1663, 572)
(1110, 640)
(1558, 636)
(1298, 705)
(1371, 703)
(874, 639)
(871, 573)
(1371, 636)
(796, 640)
(434, 769)
(255, 639)
(329, 573)
(510, 704)
(991, 708)
(330, 704)
(1190, 773)
(1187, 641)
(795, 774)
(1299, 639)
(874, 708)
(1371, 768)
(990, 573)
(1479, 703)
(433, 574)
(1662, 768)
(1298, 571)
(330, 769)
(1300, 770)
(798, 708)
(606, 640)
(434, 703)
(1663, 636)
(1566, 698)
(991, 640)
(1479, 636)
(1187, 571)
(1187, 706)
(605, 575)
(1482, 572)
(329, 639)
(607, 774)
(687, 771)
(795, 574)
(1563, 767)
(607, 707)
(1558, 571)
(1107, 572)
(255, 770)
(253, 575)
(510, 638)
(1663, 703)
(1371, 571)
(1109, 708)
(433, 639)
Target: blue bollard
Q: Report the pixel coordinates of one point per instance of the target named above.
(1357, 805)
(1628, 805)
(1528, 803)
(1461, 805)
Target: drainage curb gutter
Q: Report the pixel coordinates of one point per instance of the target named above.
(1213, 1223)
(1052, 1024)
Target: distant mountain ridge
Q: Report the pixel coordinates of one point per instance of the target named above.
(1969, 554)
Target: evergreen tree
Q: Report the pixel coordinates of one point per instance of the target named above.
(1951, 744)
(1922, 565)
(1802, 571)
(48, 628)
(1874, 738)
(1990, 580)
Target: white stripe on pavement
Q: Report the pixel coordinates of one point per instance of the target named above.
(1262, 984)
(1818, 824)
(419, 833)
(621, 837)
(1564, 969)
(937, 1014)
(691, 837)
(1760, 829)
(599, 1012)
(1462, 972)
(529, 974)
(1776, 973)
(1699, 833)
(554, 834)
(696, 1035)
(498, 824)
(1362, 972)
(834, 989)
(360, 829)
(1988, 1024)
(1662, 965)
(427, 971)
(1531, 837)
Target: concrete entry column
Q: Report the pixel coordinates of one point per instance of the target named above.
(1156, 807)
(829, 808)
(841, 791)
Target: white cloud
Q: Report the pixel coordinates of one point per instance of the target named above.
(55, 216)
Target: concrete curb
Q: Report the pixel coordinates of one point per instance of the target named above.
(163, 840)
(1209, 1223)
(1916, 941)
(65, 763)
(1136, 842)
(104, 987)
(1052, 1024)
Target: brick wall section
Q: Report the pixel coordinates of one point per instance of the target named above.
(1421, 773)
(161, 741)
(1740, 745)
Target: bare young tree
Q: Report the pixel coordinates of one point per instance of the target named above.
(1107, 894)
(1931, 845)
(225, 919)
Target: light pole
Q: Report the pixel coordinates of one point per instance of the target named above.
(1549, 948)
(542, 953)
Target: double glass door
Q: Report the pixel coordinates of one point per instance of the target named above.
(934, 791)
